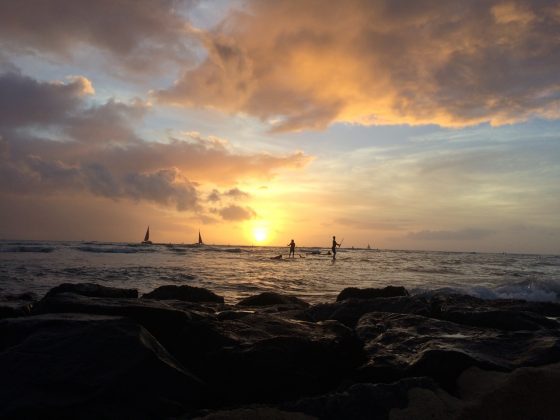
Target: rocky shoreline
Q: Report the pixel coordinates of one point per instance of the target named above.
(93, 352)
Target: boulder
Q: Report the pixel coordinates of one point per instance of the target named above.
(271, 298)
(399, 345)
(185, 293)
(91, 367)
(507, 320)
(371, 293)
(349, 311)
(360, 401)
(93, 290)
(273, 359)
(15, 305)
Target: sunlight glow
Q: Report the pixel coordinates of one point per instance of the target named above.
(260, 234)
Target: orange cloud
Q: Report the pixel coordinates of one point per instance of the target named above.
(301, 64)
(94, 149)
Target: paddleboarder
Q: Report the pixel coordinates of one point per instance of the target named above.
(334, 245)
(292, 246)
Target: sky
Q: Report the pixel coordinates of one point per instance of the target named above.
(421, 125)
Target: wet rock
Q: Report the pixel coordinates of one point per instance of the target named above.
(271, 298)
(93, 290)
(349, 311)
(163, 321)
(91, 367)
(273, 359)
(500, 319)
(371, 293)
(399, 345)
(185, 292)
(14, 309)
(15, 305)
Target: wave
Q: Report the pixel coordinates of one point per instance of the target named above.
(113, 250)
(534, 290)
(27, 248)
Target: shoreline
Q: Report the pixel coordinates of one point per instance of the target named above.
(181, 352)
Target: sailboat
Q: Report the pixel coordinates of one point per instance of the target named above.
(146, 240)
(200, 239)
(368, 247)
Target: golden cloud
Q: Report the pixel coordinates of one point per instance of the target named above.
(301, 64)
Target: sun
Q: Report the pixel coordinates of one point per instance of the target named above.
(260, 234)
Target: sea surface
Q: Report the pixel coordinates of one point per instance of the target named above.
(237, 272)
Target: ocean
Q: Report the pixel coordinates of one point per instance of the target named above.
(236, 272)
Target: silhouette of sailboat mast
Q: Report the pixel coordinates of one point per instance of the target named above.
(146, 240)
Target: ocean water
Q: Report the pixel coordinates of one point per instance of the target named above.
(237, 272)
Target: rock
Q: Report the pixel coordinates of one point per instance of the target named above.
(525, 393)
(15, 305)
(163, 321)
(11, 310)
(371, 293)
(360, 401)
(273, 359)
(349, 311)
(186, 293)
(93, 290)
(500, 319)
(91, 367)
(399, 345)
(254, 413)
(271, 298)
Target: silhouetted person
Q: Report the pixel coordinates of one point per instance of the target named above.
(334, 245)
(292, 246)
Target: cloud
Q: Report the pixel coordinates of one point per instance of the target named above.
(450, 235)
(236, 213)
(299, 64)
(234, 194)
(139, 34)
(53, 141)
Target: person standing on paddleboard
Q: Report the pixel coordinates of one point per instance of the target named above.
(292, 246)
(334, 245)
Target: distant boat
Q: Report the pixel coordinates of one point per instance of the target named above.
(200, 239)
(368, 247)
(146, 240)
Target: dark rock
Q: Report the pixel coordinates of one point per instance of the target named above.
(500, 319)
(271, 298)
(360, 401)
(230, 315)
(185, 292)
(26, 297)
(273, 359)
(93, 290)
(161, 320)
(13, 310)
(91, 367)
(371, 293)
(349, 311)
(399, 345)
(16, 305)
(525, 393)
(254, 413)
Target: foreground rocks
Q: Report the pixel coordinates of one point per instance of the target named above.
(89, 351)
